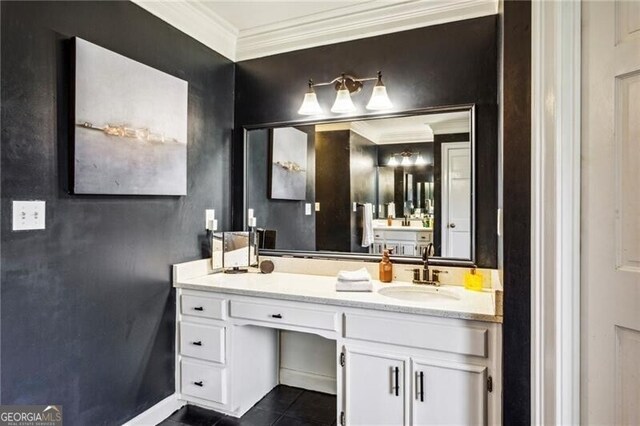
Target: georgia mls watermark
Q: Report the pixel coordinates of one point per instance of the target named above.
(30, 415)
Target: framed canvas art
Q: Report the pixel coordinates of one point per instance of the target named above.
(288, 164)
(130, 126)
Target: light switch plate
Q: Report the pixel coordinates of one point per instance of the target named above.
(307, 209)
(209, 216)
(28, 215)
(317, 207)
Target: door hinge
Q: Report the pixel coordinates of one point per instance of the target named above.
(342, 418)
(342, 359)
(490, 384)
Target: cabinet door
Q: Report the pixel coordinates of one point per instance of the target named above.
(407, 249)
(393, 246)
(374, 389)
(448, 393)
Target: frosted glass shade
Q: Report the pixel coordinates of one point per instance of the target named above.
(343, 103)
(405, 161)
(420, 161)
(392, 161)
(379, 99)
(310, 105)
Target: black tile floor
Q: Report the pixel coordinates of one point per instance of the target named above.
(283, 406)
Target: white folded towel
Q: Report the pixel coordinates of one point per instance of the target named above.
(354, 285)
(360, 275)
(359, 280)
(367, 225)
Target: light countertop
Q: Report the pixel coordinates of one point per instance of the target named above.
(401, 228)
(471, 305)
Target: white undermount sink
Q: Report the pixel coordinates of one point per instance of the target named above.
(417, 293)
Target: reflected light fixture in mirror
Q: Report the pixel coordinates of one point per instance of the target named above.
(420, 161)
(345, 86)
(405, 160)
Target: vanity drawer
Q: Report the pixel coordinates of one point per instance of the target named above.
(425, 237)
(325, 320)
(202, 341)
(204, 381)
(400, 235)
(202, 306)
(432, 336)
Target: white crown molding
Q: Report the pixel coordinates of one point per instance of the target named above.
(355, 22)
(198, 21)
(361, 20)
(365, 130)
(460, 125)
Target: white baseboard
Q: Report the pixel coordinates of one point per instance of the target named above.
(158, 412)
(308, 381)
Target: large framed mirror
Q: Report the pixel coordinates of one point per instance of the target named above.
(357, 187)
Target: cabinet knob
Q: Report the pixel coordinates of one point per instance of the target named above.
(452, 225)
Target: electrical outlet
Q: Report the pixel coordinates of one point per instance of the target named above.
(307, 209)
(317, 207)
(28, 215)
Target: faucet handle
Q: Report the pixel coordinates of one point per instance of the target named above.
(435, 275)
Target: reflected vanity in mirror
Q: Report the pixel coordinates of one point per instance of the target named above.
(362, 186)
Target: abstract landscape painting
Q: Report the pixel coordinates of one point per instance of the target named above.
(288, 164)
(130, 126)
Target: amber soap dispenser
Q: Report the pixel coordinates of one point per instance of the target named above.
(386, 268)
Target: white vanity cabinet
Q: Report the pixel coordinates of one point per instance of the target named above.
(402, 242)
(448, 393)
(374, 388)
(393, 368)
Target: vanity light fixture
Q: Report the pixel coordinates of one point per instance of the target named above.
(346, 85)
(406, 159)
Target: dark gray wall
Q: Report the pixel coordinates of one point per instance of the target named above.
(443, 65)
(333, 221)
(363, 159)
(294, 229)
(87, 304)
(517, 213)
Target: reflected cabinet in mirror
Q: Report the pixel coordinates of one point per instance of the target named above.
(401, 183)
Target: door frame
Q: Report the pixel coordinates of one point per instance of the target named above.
(555, 212)
(444, 194)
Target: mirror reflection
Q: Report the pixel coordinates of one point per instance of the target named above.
(365, 186)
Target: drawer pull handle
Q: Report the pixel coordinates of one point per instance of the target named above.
(198, 343)
(396, 381)
(421, 386)
(198, 308)
(198, 384)
(276, 316)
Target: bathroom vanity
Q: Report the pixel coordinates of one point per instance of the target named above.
(405, 354)
(400, 240)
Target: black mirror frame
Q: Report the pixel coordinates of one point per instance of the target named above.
(442, 261)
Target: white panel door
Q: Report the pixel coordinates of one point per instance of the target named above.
(456, 200)
(446, 393)
(610, 228)
(374, 389)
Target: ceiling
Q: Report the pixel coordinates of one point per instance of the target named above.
(415, 128)
(242, 30)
